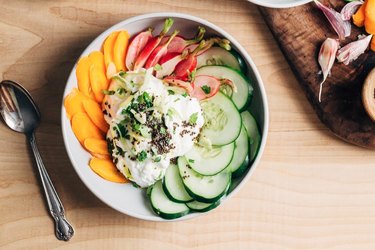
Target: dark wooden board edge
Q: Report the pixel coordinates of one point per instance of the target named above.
(341, 109)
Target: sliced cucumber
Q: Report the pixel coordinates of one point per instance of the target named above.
(253, 132)
(198, 206)
(173, 186)
(218, 56)
(240, 160)
(222, 120)
(240, 60)
(206, 189)
(163, 206)
(242, 97)
(210, 161)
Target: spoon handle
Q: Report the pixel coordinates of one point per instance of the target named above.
(64, 231)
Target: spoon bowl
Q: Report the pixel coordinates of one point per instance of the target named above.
(18, 109)
(21, 114)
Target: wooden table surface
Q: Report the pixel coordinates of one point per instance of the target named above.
(310, 191)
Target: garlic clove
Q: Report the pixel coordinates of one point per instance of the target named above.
(326, 58)
(353, 50)
(342, 27)
(350, 9)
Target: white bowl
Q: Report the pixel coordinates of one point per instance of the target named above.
(280, 3)
(126, 198)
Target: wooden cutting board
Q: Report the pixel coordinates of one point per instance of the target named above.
(300, 31)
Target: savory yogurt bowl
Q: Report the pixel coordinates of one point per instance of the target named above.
(125, 197)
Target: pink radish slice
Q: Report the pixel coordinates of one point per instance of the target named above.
(171, 80)
(151, 45)
(168, 56)
(168, 64)
(186, 66)
(180, 43)
(135, 47)
(159, 52)
(205, 86)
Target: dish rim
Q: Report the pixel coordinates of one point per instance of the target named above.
(280, 5)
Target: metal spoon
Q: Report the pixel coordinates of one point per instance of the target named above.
(21, 114)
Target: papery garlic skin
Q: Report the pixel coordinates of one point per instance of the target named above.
(343, 28)
(326, 58)
(349, 9)
(353, 50)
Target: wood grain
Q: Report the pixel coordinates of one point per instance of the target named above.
(310, 191)
(300, 32)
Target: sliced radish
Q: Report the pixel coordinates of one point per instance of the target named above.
(180, 43)
(159, 52)
(151, 45)
(168, 64)
(136, 46)
(168, 56)
(205, 86)
(171, 80)
(188, 65)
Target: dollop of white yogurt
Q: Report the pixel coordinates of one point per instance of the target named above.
(150, 124)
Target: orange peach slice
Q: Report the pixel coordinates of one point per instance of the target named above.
(84, 128)
(119, 50)
(99, 156)
(107, 170)
(359, 16)
(97, 74)
(83, 76)
(108, 46)
(95, 113)
(96, 146)
(73, 103)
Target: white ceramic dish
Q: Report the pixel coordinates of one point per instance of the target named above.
(280, 3)
(126, 198)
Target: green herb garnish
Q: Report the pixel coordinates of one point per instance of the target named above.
(170, 92)
(157, 159)
(121, 91)
(142, 156)
(108, 92)
(170, 113)
(206, 89)
(184, 94)
(191, 161)
(158, 67)
(163, 131)
(193, 118)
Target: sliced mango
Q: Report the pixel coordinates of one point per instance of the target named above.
(107, 170)
(84, 128)
(108, 45)
(100, 156)
(83, 76)
(359, 16)
(96, 146)
(119, 50)
(97, 74)
(111, 70)
(73, 103)
(370, 16)
(95, 113)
